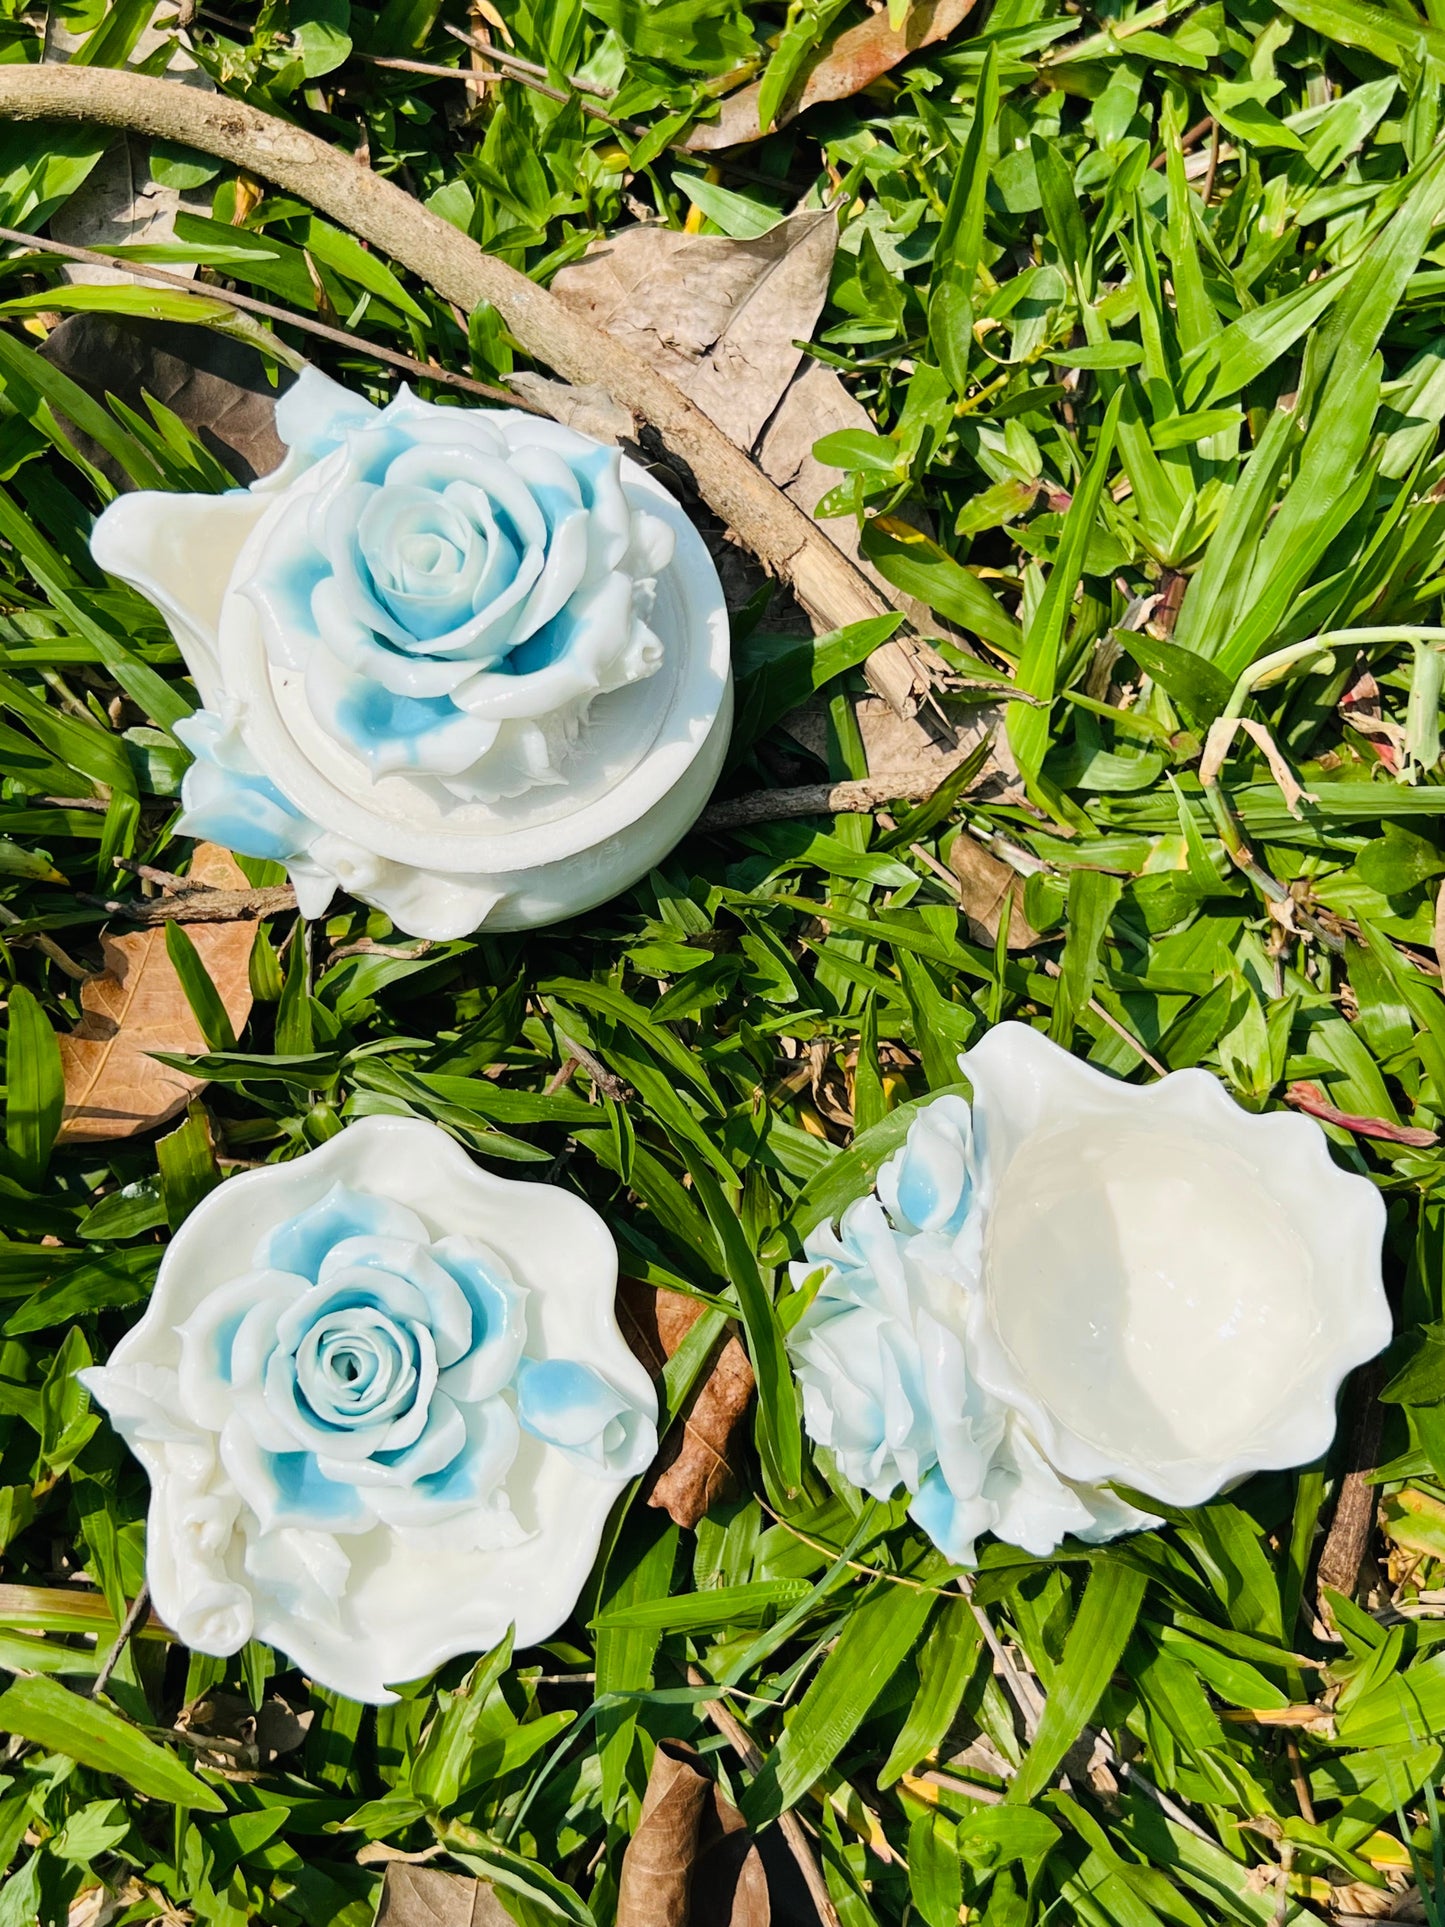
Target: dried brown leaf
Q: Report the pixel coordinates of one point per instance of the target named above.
(695, 1467)
(691, 1862)
(852, 62)
(1311, 1099)
(413, 1896)
(136, 1005)
(220, 389)
(985, 885)
(717, 316)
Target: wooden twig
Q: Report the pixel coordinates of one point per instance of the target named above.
(830, 587)
(823, 799)
(199, 906)
(1029, 1697)
(135, 1613)
(504, 57)
(46, 945)
(1348, 1539)
(247, 304)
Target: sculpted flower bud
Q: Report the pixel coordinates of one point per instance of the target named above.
(1075, 1283)
(464, 663)
(384, 1407)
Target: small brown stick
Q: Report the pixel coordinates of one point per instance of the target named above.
(60, 958)
(822, 799)
(364, 947)
(166, 879)
(1189, 138)
(949, 1783)
(1029, 1697)
(1348, 1539)
(199, 906)
(789, 1825)
(1213, 168)
(522, 72)
(208, 291)
(1119, 1030)
(609, 1085)
(137, 1610)
(1301, 1784)
(562, 1076)
(831, 587)
(504, 57)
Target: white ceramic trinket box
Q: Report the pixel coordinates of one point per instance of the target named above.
(464, 663)
(1075, 1284)
(384, 1407)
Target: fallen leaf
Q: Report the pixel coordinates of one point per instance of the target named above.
(850, 63)
(816, 404)
(985, 885)
(691, 1862)
(718, 317)
(1311, 1099)
(694, 1468)
(119, 203)
(221, 389)
(136, 1005)
(413, 1896)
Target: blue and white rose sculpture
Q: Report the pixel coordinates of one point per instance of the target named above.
(464, 663)
(384, 1407)
(1074, 1284)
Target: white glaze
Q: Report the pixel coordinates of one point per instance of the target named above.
(581, 793)
(361, 1601)
(1078, 1283)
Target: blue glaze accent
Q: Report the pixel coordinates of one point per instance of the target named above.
(225, 802)
(569, 1406)
(304, 1496)
(373, 715)
(301, 1244)
(436, 559)
(490, 1304)
(225, 1335)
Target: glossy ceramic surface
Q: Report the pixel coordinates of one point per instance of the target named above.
(384, 1406)
(464, 663)
(1075, 1283)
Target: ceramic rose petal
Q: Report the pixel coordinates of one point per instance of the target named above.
(384, 1406)
(1074, 1284)
(467, 664)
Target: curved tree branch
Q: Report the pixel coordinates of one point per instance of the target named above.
(832, 590)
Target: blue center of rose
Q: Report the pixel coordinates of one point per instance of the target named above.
(355, 1366)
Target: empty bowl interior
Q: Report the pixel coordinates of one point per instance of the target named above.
(1152, 1294)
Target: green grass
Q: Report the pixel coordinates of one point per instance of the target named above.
(1104, 386)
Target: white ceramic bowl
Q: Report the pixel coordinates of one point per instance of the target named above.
(626, 769)
(365, 1570)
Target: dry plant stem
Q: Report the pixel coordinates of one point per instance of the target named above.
(199, 906)
(789, 1824)
(471, 75)
(1348, 1539)
(137, 1610)
(1028, 1697)
(832, 590)
(821, 799)
(208, 291)
(46, 945)
(1119, 1030)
